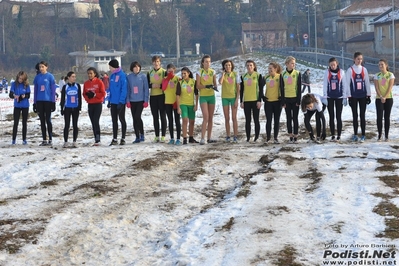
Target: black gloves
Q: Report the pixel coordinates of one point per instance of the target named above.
(11, 95)
(215, 88)
(209, 86)
(109, 105)
(119, 107)
(34, 108)
(62, 111)
(53, 107)
(368, 100)
(90, 94)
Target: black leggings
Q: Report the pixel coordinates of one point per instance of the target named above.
(115, 114)
(17, 113)
(272, 109)
(137, 109)
(170, 112)
(362, 106)
(337, 103)
(157, 104)
(95, 110)
(320, 122)
(44, 111)
(383, 111)
(292, 112)
(68, 112)
(250, 107)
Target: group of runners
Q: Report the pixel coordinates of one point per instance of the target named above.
(175, 100)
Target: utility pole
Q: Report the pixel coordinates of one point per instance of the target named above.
(4, 39)
(177, 38)
(131, 37)
(393, 36)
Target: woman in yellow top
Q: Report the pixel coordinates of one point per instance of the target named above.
(383, 82)
(272, 101)
(290, 90)
(206, 84)
(230, 81)
(169, 85)
(157, 97)
(187, 103)
(251, 93)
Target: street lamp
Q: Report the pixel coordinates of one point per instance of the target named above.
(308, 6)
(315, 29)
(393, 36)
(250, 34)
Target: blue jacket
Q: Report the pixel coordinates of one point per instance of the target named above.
(19, 90)
(44, 88)
(117, 87)
(138, 90)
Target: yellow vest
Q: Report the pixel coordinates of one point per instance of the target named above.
(156, 77)
(170, 92)
(272, 88)
(383, 83)
(290, 81)
(229, 85)
(206, 78)
(187, 92)
(251, 87)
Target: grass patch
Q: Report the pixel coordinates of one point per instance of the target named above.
(391, 181)
(286, 257)
(313, 175)
(388, 165)
(278, 210)
(264, 231)
(149, 163)
(196, 167)
(12, 238)
(338, 226)
(227, 226)
(391, 213)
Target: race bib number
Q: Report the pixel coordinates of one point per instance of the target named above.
(249, 82)
(189, 90)
(206, 77)
(73, 99)
(271, 83)
(230, 80)
(359, 85)
(383, 82)
(156, 77)
(289, 80)
(42, 88)
(171, 84)
(333, 86)
(116, 78)
(135, 89)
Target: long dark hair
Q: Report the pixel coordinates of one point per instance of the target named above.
(306, 100)
(94, 70)
(190, 74)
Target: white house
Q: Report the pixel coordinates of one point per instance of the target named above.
(97, 59)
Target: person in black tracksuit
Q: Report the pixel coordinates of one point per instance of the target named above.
(71, 104)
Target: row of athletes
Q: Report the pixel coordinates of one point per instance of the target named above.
(174, 97)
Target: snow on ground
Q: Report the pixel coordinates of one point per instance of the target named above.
(217, 204)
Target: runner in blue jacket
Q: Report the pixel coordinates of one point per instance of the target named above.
(117, 100)
(20, 92)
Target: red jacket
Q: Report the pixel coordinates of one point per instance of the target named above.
(97, 86)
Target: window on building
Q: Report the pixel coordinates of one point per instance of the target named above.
(97, 59)
(276, 35)
(248, 35)
(379, 33)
